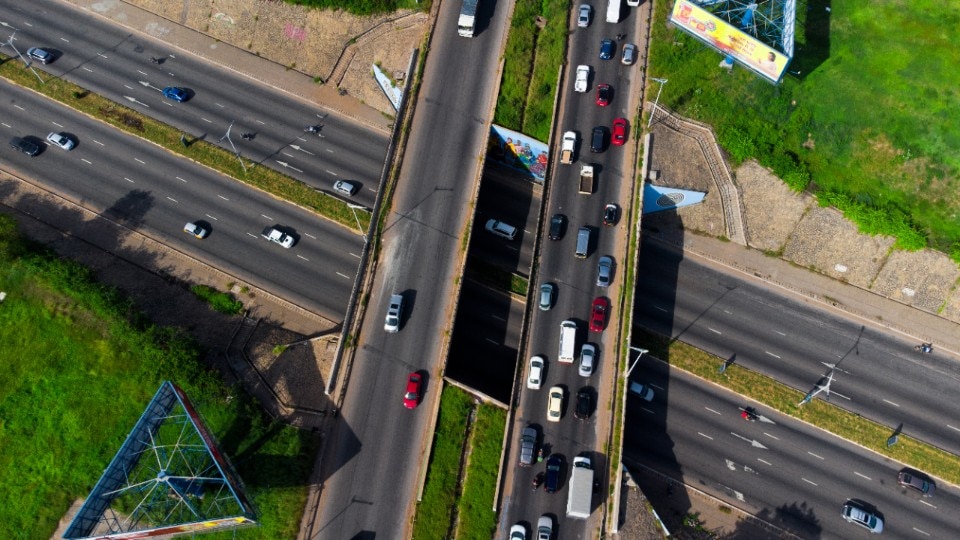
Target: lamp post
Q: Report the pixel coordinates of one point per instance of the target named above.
(637, 361)
(16, 50)
(354, 207)
(656, 101)
(229, 140)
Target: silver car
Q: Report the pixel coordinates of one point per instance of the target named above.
(583, 17)
(61, 140)
(587, 354)
(854, 513)
(394, 312)
(547, 291)
(629, 54)
(40, 55)
(544, 527)
(604, 271)
(347, 188)
(528, 446)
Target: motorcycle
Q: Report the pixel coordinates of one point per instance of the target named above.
(537, 481)
(925, 348)
(749, 414)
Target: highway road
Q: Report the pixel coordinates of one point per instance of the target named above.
(576, 278)
(506, 197)
(145, 188)
(879, 376)
(780, 469)
(375, 455)
(115, 63)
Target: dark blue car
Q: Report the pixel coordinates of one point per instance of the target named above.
(607, 47)
(554, 463)
(175, 93)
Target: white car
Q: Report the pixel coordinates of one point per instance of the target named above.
(583, 15)
(629, 55)
(347, 188)
(277, 236)
(196, 230)
(535, 379)
(587, 353)
(555, 404)
(583, 73)
(518, 532)
(544, 527)
(61, 140)
(501, 229)
(394, 312)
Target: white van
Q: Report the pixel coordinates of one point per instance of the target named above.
(613, 11)
(568, 341)
(583, 242)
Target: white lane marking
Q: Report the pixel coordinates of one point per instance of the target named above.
(18, 107)
(814, 455)
(808, 481)
(705, 436)
(251, 235)
(370, 189)
(330, 150)
(222, 197)
(128, 87)
(771, 354)
(85, 68)
(172, 199)
(331, 172)
(713, 411)
(180, 179)
(771, 436)
(98, 142)
(715, 331)
(660, 309)
(56, 124)
(862, 475)
(261, 122)
(302, 257)
(206, 120)
(288, 154)
(4, 124)
(928, 504)
(87, 161)
(212, 217)
(219, 105)
(491, 341)
(343, 275)
(891, 403)
(501, 319)
(832, 393)
(65, 40)
(127, 179)
(765, 462)
(140, 161)
(779, 332)
(953, 427)
(656, 386)
(728, 312)
(102, 55)
(925, 533)
(732, 465)
(268, 218)
(354, 254)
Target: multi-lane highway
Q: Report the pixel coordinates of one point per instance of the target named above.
(147, 189)
(111, 61)
(781, 469)
(879, 375)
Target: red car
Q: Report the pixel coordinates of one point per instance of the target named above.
(598, 315)
(604, 93)
(619, 132)
(412, 396)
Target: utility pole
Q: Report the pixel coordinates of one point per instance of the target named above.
(229, 140)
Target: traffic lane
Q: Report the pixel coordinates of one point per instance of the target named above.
(145, 188)
(116, 64)
(506, 197)
(774, 466)
(879, 376)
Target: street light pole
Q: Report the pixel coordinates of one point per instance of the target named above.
(354, 207)
(229, 140)
(16, 50)
(637, 361)
(656, 101)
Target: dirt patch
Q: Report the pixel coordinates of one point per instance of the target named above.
(771, 209)
(900, 280)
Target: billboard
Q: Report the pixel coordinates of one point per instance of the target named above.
(750, 53)
(518, 151)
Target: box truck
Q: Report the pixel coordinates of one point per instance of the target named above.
(581, 489)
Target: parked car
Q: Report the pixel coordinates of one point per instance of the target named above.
(501, 229)
(394, 312)
(62, 140)
(535, 378)
(598, 139)
(911, 479)
(196, 230)
(583, 78)
(855, 513)
(619, 136)
(175, 93)
(544, 527)
(557, 225)
(584, 403)
(277, 236)
(29, 148)
(555, 404)
(583, 15)
(607, 48)
(604, 271)
(629, 55)
(547, 293)
(587, 355)
(528, 446)
(40, 55)
(411, 397)
(604, 94)
(554, 464)
(518, 532)
(611, 213)
(347, 188)
(598, 314)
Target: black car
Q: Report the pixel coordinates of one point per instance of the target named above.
(557, 223)
(598, 141)
(610, 213)
(554, 464)
(27, 147)
(584, 405)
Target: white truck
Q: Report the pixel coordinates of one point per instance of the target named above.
(581, 489)
(586, 179)
(613, 11)
(568, 342)
(468, 18)
(567, 147)
(580, 84)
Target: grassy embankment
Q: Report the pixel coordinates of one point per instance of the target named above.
(80, 364)
(869, 126)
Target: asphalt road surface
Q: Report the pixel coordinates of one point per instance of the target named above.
(782, 470)
(376, 453)
(115, 63)
(145, 188)
(878, 376)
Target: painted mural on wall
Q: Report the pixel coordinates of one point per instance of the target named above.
(518, 151)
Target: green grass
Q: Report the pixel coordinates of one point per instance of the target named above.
(219, 301)
(216, 158)
(532, 58)
(80, 364)
(497, 278)
(877, 107)
(817, 412)
(435, 511)
(364, 7)
(477, 519)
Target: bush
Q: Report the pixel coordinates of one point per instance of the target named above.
(220, 302)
